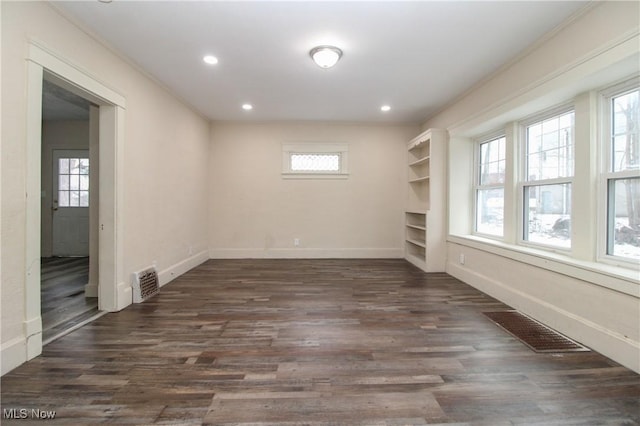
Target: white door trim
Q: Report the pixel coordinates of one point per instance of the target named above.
(114, 292)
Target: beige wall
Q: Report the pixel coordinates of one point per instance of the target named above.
(254, 212)
(578, 297)
(166, 150)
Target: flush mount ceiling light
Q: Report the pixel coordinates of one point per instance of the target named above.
(211, 60)
(325, 56)
(247, 107)
(385, 108)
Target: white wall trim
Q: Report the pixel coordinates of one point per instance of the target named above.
(169, 274)
(32, 321)
(13, 354)
(607, 342)
(307, 253)
(72, 73)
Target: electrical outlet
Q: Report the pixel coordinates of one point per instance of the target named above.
(296, 242)
(461, 258)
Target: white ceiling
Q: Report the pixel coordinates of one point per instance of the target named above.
(416, 56)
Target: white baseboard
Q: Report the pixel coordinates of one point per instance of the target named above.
(13, 353)
(307, 253)
(167, 275)
(33, 333)
(124, 295)
(607, 342)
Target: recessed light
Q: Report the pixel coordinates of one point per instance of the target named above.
(211, 60)
(385, 108)
(247, 107)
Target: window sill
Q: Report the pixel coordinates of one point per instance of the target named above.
(315, 175)
(615, 278)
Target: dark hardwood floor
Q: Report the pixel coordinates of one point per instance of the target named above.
(63, 303)
(315, 342)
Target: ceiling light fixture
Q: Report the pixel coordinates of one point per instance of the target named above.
(247, 107)
(385, 108)
(211, 60)
(325, 56)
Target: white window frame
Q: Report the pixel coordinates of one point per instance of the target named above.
(489, 137)
(318, 148)
(524, 183)
(606, 173)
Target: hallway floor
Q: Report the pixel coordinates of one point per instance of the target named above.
(63, 304)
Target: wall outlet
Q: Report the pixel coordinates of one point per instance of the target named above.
(296, 242)
(461, 258)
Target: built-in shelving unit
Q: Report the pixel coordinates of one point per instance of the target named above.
(424, 215)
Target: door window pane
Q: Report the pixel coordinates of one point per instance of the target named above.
(73, 182)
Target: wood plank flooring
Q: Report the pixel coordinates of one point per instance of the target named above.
(315, 342)
(63, 303)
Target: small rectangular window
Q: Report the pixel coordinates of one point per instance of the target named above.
(314, 160)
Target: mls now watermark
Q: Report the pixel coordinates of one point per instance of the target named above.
(28, 413)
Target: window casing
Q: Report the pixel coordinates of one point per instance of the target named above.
(547, 177)
(315, 161)
(621, 174)
(490, 167)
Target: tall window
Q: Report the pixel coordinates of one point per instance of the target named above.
(548, 174)
(623, 175)
(490, 169)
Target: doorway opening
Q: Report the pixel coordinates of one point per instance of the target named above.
(68, 264)
(110, 284)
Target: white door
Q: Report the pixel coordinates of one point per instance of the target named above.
(70, 203)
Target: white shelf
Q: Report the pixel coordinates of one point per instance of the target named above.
(425, 223)
(420, 179)
(422, 244)
(420, 161)
(420, 228)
